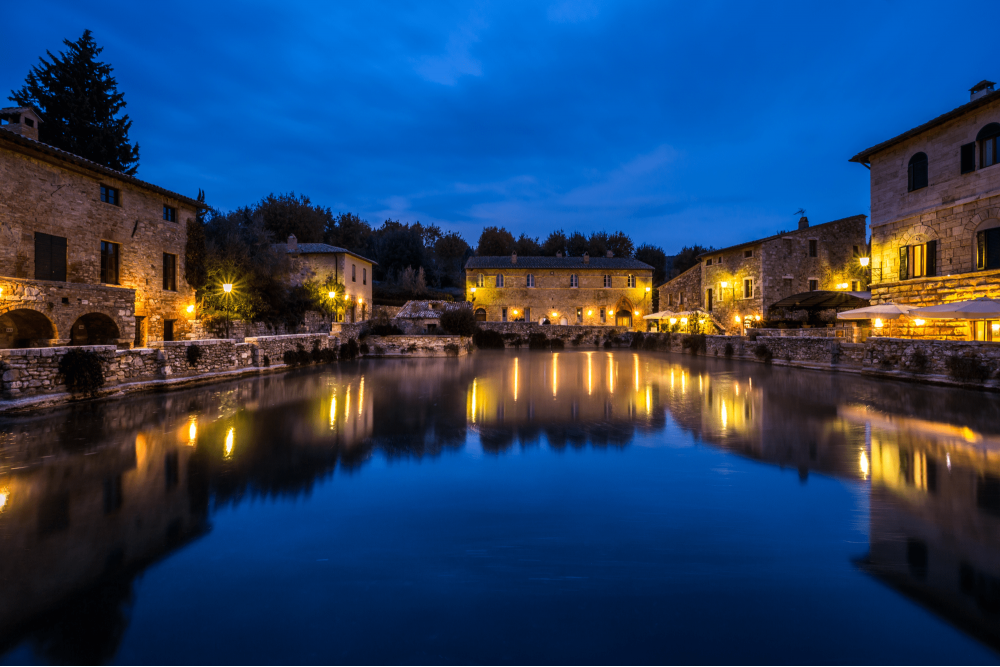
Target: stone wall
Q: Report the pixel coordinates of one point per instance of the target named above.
(41, 193)
(592, 336)
(683, 292)
(313, 322)
(274, 347)
(216, 355)
(416, 346)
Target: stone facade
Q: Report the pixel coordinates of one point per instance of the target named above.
(424, 317)
(47, 193)
(682, 292)
(925, 248)
(563, 290)
(746, 280)
(319, 261)
(416, 346)
(516, 333)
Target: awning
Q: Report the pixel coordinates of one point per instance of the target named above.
(824, 300)
(883, 311)
(662, 315)
(982, 308)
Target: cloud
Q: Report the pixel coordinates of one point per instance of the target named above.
(456, 61)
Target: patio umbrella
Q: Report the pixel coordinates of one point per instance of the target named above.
(882, 311)
(663, 314)
(982, 308)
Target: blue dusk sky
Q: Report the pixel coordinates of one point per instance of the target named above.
(677, 122)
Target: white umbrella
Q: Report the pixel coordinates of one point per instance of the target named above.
(882, 311)
(982, 308)
(663, 314)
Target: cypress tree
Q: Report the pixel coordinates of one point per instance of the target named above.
(194, 250)
(79, 102)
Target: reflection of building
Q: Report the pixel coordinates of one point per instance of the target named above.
(613, 291)
(319, 261)
(87, 254)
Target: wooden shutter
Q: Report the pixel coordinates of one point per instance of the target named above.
(904, 256)
(980, 250)
(43, 254)
(968, 157)
(57, 259)
(930, 259)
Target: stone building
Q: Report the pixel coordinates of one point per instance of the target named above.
(935, 202)
(745, 280)
(87, 254)
(319, 261)
(609, 291)
(424, 317)
(682, 292)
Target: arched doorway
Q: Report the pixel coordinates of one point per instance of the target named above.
(623, 313)
(25, 328)
(480, 314)
(94, 329)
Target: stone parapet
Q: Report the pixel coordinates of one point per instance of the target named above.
(416, 346)
(586, 336)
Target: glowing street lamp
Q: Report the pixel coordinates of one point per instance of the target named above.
(227, 287)
(864, 261)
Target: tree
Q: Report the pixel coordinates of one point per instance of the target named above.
(285, 214)
(495, 241)
(349, 231)
(577, 244)
(80, 106)
(620, 244)
(656, 258)
(395, 246)
(688, 257)
(556, 242)
(450, 253)
(597, 244)
(527, 246)
(194, 249)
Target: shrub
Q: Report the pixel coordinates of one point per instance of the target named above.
(301, 356)
(919, 362)
(558, 344)
(763, 352)
(636, 342)
(316, 355)
(451, 348)
(82, 371)
(967, 369)
(728, 351)
(193, 355)
(349, 350)
(487, 339)
(364, 349)
(578, 339)
(695, 343)
(538, 341)
(459, 321)
(887, 363)
(382, 330)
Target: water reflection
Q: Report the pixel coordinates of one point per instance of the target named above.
(91, 496)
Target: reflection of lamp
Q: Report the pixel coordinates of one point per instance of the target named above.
(864, 261)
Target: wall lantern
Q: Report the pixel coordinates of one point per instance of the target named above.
(864, 261)
(589, 313)
(472, 289)
(227, 288)
(684, 320)
(757, 317)
(842, 286)
(514, 311)
(724, 284)
(332, 295)
(996, 327)
(918, 322)
(673, 320)
(737, 319)
(190, 308)
(553, 313)
(878, 323)
(361, 300)
(637, 312)
(649, 289)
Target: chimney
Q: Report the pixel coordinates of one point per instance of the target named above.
(610, 254)
(21, 120)
(586, 258)
(293, 243)
(982, 88)
(513, 258)
(803, 222)
(558, 253)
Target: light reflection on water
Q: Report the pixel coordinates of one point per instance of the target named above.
(93, 496)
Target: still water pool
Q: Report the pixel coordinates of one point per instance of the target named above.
(579, 507)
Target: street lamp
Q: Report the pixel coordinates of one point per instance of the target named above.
(227, 289)
(865, 261)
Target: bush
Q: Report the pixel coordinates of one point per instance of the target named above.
(578, 339)
(763, 352)
(364, 349)
(316, 355)
(82, 371)
(728, 351)
(538, 341)
(695, 343)
(487, 339)
(459, 321)
(967, 369)
(887, 363)
(451, 348)
(349, 350)
(919, 363)
(194, 354)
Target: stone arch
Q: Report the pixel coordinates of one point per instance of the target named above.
(991, 222)
(623, 312)
(918, 234)
(25, 327)
(95, 329)
(480, 314)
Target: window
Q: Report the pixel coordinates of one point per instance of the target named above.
(708, 300)
(747, 254)
(50, 257)
(574, 280)
(480, 282)
(631, 281)
(499, 280)
(968, 157)
(364, 276)
(169, 213)
(503, 314)
(527, 314)
(813, 284)
(604, 316)
(170, 272)
(917, 261)
(987, 140)
(987, 330)
(708, 262)
(748, 288)
(168, 330)
(857, 252)
(480, 314)
(354, 273)
(579, 315)
(607, 281)
(855, 286)
(110, 195)
(917, 172)
(531, 280)
(110, 255)
(988, 248)
(813, 250)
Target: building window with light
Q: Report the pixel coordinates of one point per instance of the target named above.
(499, 283)
(607, 280)
(631, 281)
(748, 288)
(530, 280)
(604, 316)
(986, 330)
(574, 280)
(480, 281)
(579, 315)
(918, 261)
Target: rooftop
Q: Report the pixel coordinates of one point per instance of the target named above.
(540, 262)
(428, 309)
(6, 136)
(319, 249)
(775, 236)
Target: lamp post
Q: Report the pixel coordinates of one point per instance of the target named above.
(227, 289)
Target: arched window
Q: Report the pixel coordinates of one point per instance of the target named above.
(987, 140)
(480, 281)
(480, 314)
(987, 246)
(917, 172)
(531, 280)
(499, 280)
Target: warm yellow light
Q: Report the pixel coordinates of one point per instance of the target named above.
(842, 286)
(472, 289)
(757, 317)
(864, 465)
(230, 437)
(724, 283)
(649, 289)
(673, 320)
(514, 311)
(4, 496)
(918, 322)
(637, 312)
(360, 300)
(590, 312)
(553, 313)
(864, 261)
(878, 324)
(996, 328)
(227, 287)
(190, 308)
(332, 295)
(738, 319)
(193, 432)
(684, 320)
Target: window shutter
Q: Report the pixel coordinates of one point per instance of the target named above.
(980, 250)
(43, 254)
(968, 157)
(930, 259)
(57, 259)
(904, 255)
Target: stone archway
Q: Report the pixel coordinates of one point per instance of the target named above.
(480, 314)
(623, 313)
(94, 329)
(24, 327)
